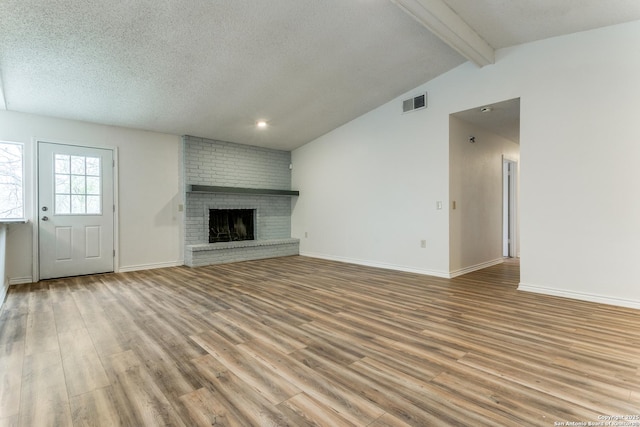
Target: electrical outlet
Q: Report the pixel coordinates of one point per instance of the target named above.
(423, 243)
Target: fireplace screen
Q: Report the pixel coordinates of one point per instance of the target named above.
(230, 225)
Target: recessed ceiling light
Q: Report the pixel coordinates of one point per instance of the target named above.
(261, 124)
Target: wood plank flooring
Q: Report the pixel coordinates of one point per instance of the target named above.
(305, 342)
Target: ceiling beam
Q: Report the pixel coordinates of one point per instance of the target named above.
(442, 21)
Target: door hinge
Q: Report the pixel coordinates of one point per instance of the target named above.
(114, 208)
(114, 253)
(113, 163)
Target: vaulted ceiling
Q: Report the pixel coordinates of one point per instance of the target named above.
(212, 68)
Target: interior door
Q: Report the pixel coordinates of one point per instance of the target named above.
(75, 206)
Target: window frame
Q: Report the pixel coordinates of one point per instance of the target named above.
(23, 149)
(71, 193)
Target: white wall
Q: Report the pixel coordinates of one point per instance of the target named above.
(368, 192)
(579, 210)
(149, 193)
(475, 184)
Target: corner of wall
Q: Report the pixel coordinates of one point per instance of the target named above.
(582, 296)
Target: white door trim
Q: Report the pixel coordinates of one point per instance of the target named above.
(35, 271)
(513, 206)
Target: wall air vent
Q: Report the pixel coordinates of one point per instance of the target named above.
(417, 103)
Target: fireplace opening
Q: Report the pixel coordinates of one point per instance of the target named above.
(230, 225)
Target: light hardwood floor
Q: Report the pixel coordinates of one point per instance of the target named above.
(299, 341)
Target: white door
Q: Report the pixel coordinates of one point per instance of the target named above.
(75, 207)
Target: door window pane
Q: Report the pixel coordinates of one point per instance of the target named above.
(93, 166)
(78, 204)
(63, 204)
(93, 205)
(62, 163)
(78, 184)
(93, 185)
(77, 165)
(63, 185)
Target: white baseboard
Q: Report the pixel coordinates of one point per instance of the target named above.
(29, 279)
(20, 280)
(476, 267)
(377, 264)
(579, 296)
(150, 266)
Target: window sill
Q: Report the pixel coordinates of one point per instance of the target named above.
(14, 221)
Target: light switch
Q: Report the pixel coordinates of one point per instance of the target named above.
(439, 205)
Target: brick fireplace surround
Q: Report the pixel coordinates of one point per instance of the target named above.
(215, 163)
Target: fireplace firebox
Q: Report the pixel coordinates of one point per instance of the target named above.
(231, 225)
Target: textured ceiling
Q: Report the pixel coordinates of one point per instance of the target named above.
(211, 68)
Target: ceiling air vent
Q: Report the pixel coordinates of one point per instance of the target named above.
(417, 103)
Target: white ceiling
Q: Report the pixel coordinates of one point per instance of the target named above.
(211, 68)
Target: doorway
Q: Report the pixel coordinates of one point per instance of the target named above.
(75, 210)
(480, 140)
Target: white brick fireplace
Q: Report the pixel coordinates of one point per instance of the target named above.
(223, 175)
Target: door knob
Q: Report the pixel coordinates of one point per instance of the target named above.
(44, 208)
(45, 218)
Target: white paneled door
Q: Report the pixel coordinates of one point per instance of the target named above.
(75, 210)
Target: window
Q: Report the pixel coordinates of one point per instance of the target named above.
(78, 186)
(11, 180)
